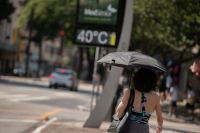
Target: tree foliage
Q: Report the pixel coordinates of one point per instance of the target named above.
(49, 17)
(161, 25)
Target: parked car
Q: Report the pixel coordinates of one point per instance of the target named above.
(19, 71)
(63, 78)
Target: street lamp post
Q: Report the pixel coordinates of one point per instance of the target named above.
(60, 53)
(27, 52)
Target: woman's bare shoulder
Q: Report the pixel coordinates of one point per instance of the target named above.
(126, 90)
(155, 95)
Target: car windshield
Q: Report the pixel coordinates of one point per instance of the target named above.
(64, 72)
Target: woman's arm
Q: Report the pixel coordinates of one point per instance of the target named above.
(159, 115)
(122, 105)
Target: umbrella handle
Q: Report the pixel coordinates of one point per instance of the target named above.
(130, 79)
(109, 67)
(113, 61)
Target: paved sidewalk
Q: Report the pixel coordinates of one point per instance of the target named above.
(69, 129)
(181, 114)
(77, 127)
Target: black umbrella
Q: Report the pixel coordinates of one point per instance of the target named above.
(132, 59)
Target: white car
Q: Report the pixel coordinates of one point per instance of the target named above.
(63, 78)
(19, 71)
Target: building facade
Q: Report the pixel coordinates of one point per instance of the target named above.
(11, 45)
(13, 49)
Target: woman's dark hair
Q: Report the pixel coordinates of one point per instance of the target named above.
(145, 80)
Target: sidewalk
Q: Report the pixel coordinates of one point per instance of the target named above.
(181, 114)
(70, 127)
(77, 127)
(42, 80)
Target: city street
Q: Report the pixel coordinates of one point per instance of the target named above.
(64, 65)
(30, 106)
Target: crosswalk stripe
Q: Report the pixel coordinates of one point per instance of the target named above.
(18, 120)
(21, 97)
(8, 96)
(39, 129)
(30, 99)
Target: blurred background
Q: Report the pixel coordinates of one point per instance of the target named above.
(37, 51)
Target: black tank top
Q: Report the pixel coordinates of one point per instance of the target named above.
(143, 116)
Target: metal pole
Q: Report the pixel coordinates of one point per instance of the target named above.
(60, 53)
(93, 78)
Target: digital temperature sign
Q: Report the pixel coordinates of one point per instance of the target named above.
(101, 38)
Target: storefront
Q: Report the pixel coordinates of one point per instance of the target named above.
(8, 57)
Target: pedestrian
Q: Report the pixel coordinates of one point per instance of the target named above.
(162, 87)
(146, 101)
(173, 96)
(169, 81)
(190, 101)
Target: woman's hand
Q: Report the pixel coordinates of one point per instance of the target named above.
(159, 116)
(158, 130)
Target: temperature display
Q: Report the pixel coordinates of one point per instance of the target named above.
(104, 38)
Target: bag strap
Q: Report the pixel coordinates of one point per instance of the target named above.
(143, 101)
(131, 98)
(130, 101)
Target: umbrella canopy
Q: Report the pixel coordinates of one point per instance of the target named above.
(132, 59)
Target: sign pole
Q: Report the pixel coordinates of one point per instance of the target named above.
(102, 107)
(94, 82)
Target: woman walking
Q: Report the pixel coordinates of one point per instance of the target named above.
(146, 101)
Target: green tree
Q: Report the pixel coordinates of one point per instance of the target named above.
(50, 17)
(162, 26)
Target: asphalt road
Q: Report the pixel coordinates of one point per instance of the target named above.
(26, 104)
(41, 94)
